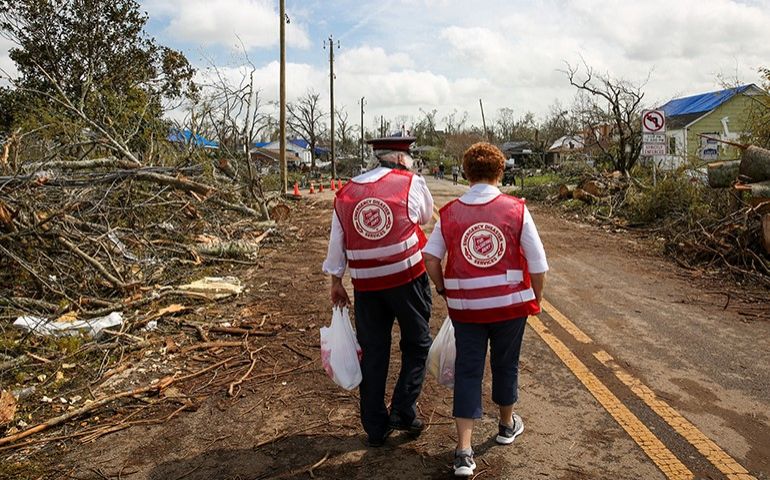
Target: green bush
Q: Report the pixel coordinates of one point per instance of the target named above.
(678, 198)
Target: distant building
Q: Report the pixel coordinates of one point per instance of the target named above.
(695, 123)
(564, 148)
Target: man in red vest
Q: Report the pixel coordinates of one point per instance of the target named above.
(376, 233)
(493, 280)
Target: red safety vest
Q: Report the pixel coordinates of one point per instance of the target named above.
(383, 245)
(486, 277)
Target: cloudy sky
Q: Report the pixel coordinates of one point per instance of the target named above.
(407, 55)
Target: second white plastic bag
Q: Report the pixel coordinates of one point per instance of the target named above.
(340, 352)
(441, 356)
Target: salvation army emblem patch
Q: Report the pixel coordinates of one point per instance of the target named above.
(483, 245)
(372, 218)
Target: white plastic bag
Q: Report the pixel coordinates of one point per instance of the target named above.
(340, 352)
(441, 356)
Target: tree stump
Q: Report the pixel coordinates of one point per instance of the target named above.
(755, 164)
(723, 174)
(564, 192)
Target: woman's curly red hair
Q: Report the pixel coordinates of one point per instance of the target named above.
(483, 162)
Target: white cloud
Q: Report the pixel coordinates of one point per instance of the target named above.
(222, 22)
(7, 67)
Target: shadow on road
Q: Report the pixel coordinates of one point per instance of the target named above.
(346, 457)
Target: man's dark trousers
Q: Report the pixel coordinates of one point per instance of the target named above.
(375, 312)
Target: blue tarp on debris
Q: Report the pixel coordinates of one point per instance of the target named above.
(187, 137)
(262, 144)
(701, 103)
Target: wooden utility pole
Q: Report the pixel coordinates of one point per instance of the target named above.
(362, 131)
(282, 141)
(331, 108)
(483, 120)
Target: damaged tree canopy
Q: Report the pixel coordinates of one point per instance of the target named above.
(97, 207)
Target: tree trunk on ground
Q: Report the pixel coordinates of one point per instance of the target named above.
(723, 174)
(583, 196)
(758, 190)
(597, 189)
(564, 192)
(755, 164)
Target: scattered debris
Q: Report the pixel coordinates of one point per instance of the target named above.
(7, 407)
(69, 325)
(215, 287)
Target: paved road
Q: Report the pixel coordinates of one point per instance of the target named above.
(632, 372)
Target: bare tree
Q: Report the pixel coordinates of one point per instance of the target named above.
(455, 122)
(305, 119)
(345, 132)
(425, 129)
(614, 103)
(229, 108)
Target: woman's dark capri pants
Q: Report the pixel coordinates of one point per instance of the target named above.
(471, 340)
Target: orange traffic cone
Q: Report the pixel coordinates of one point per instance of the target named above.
(296, 190)
(312, 189)
(333, 187)
(339, 184)
(321, 187)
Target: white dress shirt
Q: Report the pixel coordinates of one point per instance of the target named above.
(420, 212)
(530, 240)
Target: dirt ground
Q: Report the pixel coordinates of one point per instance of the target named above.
(288, 420)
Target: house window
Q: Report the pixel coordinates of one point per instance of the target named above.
(672, 146)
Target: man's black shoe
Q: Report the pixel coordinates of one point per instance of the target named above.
(377, 442)
(413, 429)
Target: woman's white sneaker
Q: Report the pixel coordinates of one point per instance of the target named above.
(464, 464)
(506, 435)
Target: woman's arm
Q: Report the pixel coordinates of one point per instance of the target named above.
(538, 282)
(433, 266)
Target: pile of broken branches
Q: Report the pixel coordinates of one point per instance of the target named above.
(94, 236)
(733, 243)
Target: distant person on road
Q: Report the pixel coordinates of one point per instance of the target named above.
(441, 169)
(455, 173)
(376, 232)
(494, 278)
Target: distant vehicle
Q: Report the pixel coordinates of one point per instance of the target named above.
(510, 174)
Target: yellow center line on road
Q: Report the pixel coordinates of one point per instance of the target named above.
(713, 453)
(665, 460)
(718, 457)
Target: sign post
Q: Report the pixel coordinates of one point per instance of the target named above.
(654, 141)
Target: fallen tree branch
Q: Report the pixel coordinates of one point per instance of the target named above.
(116, 282)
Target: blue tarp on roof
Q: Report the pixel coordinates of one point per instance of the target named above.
(702, 103)
(300, 143)
(262, 144)
(186, 137)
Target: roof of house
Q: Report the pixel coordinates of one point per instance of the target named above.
(186, 136)
(700, 104)
(567, 143)
(515, 147)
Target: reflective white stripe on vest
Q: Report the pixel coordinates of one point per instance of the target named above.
(385, 270)
(491, 302)
(380, 252)
(512, 276)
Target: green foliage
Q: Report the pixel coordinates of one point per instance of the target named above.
(95, 55)
(677, 198)
(547, 178)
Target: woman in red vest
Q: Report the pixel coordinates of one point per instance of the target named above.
(493, 280)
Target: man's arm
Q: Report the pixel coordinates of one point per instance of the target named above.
(339, 295)
(420, 201)
(336, 262)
